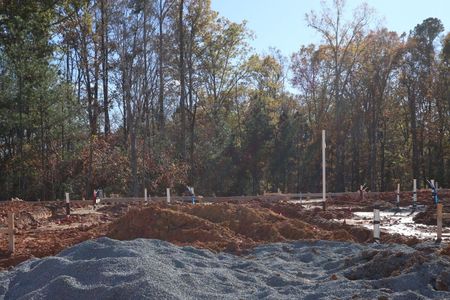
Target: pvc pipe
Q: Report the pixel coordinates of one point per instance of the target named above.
(376, 225)
(168, 195)
(145, 195)
(414, 193)
(398, 195)
(67, 204)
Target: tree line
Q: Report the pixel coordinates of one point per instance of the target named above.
(133, 94)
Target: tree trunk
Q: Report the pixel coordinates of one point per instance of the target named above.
(415, 147)
(161, 72)
(104, 21)
(182, 83)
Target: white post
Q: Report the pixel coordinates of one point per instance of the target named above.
(145, 195)
(67, 204)
(376, 225)
(398, 195)
(324, 188)
(168, 195)
(414, 193)
(432, 182)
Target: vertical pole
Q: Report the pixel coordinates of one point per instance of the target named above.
(432, 182)
(67, 204)
(398, 195)
(168, 195)
(439, 223)
(376, 225)
(414, 193)
(145, 195)
(11, 238)
(324, 188)
(361, 193)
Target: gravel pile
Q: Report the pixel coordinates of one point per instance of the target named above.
(154, 269)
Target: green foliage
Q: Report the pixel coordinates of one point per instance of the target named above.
(190, 103)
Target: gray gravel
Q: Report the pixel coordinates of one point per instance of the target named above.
(154, 269)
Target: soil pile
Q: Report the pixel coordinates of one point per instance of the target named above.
(236, 227)
(44, 229)
(428, 217)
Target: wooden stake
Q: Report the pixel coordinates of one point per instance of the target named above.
(439, 223)
(11, 232)
(324, 188)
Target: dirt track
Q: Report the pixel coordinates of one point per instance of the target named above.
(43, 228)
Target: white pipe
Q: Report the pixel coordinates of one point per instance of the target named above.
(398, 194)
(168, 195)
(376, 225)
(145, 194)
(324, 188)
(67, 204)
(414, 192)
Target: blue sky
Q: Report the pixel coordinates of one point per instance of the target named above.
(281, 23)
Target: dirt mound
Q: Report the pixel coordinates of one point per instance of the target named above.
(428, 217)
(173, 226)
(223, 226)
(385, 263)
(44, 229)
(116, 210)
(237, 225)
(234, 227)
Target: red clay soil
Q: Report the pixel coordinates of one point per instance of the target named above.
(43, 229)
(236, 227)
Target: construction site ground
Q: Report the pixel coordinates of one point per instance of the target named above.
(235, 226)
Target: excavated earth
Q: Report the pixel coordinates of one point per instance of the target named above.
(44, 230)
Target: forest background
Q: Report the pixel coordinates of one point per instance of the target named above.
(134, 94)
